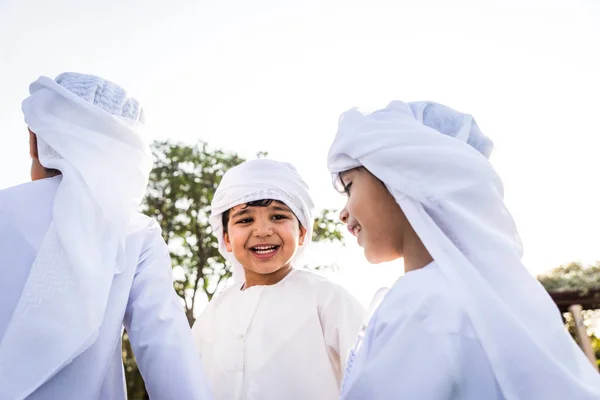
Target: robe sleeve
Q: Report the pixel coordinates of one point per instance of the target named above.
(341, 317)
(404, 361)
(200, 330)
(158, 330)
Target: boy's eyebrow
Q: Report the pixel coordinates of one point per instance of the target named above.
(241, 212)
(273, 206)
(281, 207)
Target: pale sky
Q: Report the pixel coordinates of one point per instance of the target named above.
(274, 75)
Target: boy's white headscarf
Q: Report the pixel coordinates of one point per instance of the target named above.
(257, 180)
(89, 129)
(433, 160)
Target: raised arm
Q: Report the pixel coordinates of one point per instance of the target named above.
(160, 336)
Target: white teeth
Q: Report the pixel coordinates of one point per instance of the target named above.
(264, 249)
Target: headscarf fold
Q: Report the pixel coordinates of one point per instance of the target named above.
(257, 180)
(433, 160)
(89, 129)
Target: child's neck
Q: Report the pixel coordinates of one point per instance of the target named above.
(256, 279)
(415, 254)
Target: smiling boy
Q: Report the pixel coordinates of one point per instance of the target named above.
(278, 332)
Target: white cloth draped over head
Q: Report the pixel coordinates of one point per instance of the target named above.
(453, 199)
(89, 129)
(257, 180)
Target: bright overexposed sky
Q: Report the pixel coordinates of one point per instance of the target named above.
(274, 75)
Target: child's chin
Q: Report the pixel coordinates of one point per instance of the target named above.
(267, 270)
(374, 257)
(271, 271)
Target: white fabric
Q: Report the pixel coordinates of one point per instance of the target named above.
(258, 180)
(373, 306)
(141, 298)
(284, 341)
(103, 94)
(453, 199)
(421, 323)
(105, 165)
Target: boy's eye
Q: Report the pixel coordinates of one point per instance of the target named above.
(279, 216)
(347, 188)
(244, 221)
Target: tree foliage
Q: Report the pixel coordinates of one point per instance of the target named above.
(182, 185)
(578, 278)
(572, 276)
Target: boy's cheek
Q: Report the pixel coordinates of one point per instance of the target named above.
(291, 231)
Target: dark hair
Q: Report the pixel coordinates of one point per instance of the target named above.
(255, 203)
(52, 172)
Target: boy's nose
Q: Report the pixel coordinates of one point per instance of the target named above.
(344, 214)
(263, 229)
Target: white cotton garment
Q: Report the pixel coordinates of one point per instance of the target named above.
(64, 316)
(140, 298)
(422, 334)
(105, 163)
(287, 341)
(433, 160)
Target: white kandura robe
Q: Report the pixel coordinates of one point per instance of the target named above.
(433, 160)
(420, 344)
(141, 298)
(284, 341)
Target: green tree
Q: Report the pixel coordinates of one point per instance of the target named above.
(182, 185)
(181, 188)
(573, 276)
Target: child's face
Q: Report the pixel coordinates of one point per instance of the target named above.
(263, 239)
(373, 216)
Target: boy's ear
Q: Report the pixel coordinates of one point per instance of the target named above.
(302, 235)
(227, 242)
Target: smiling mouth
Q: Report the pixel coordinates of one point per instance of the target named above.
(264, 250)
(354, 229)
